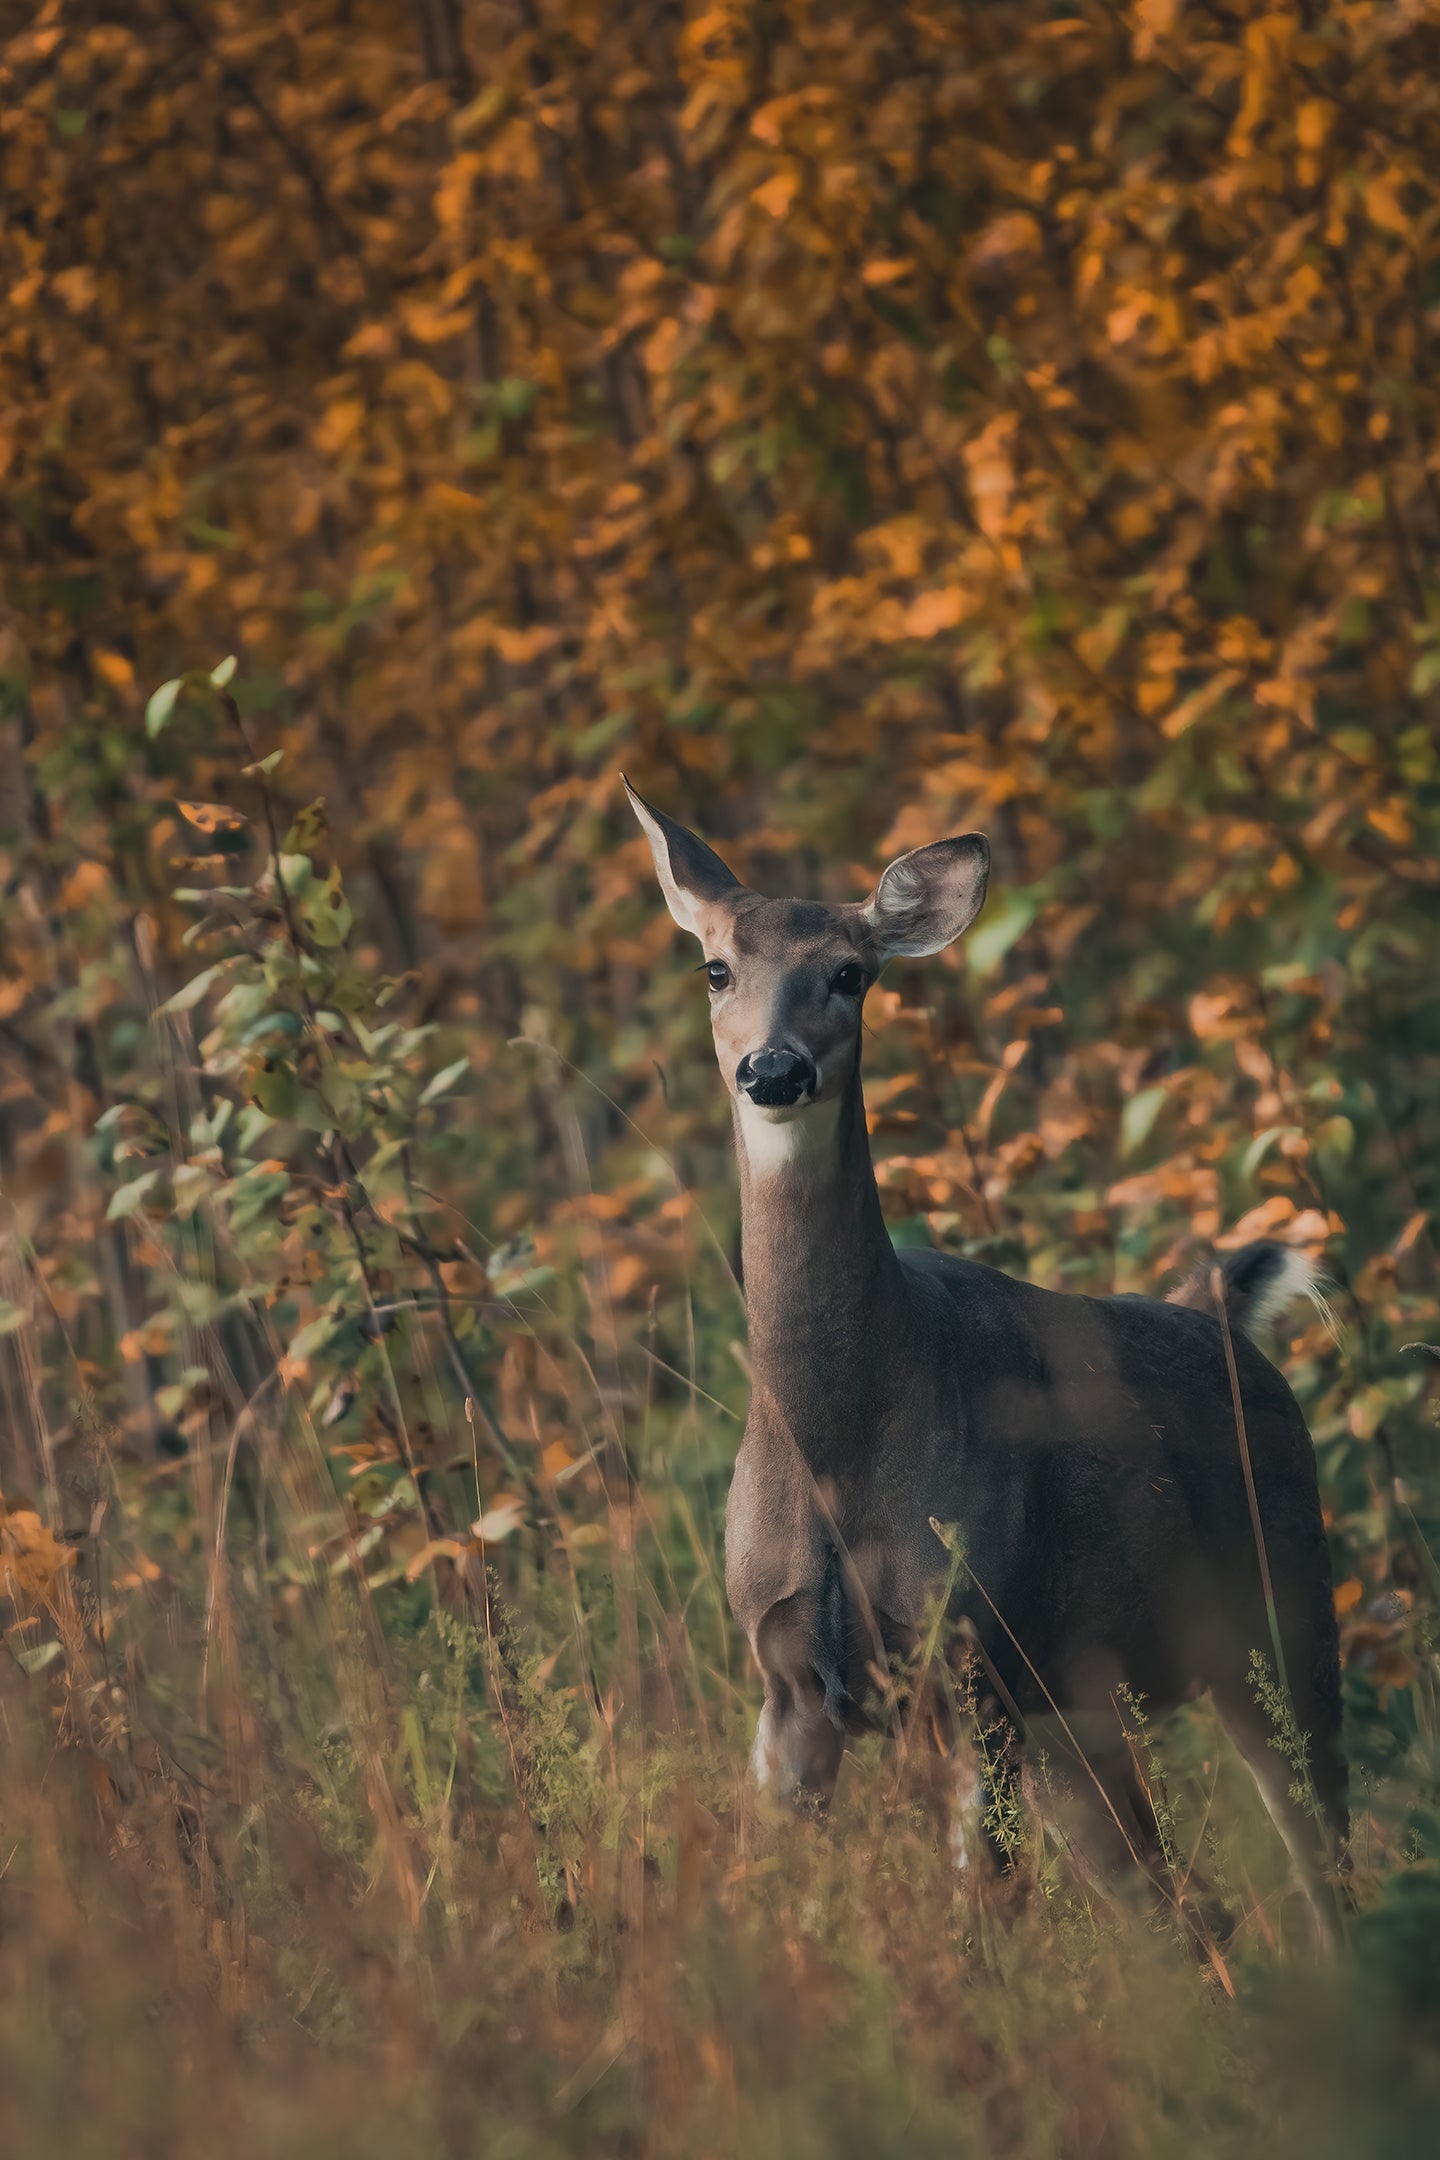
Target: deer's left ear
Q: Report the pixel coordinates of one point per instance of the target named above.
(926, 898)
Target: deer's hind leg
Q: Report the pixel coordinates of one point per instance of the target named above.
(1308, 1804)
(1097, 1812)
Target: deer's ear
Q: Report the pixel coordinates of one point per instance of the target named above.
(926, 898)
(692, 876)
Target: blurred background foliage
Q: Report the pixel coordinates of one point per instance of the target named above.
(861, 424)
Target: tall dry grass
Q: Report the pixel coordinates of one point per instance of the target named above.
(292, 1865)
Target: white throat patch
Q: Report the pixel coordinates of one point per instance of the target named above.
(799, 1137)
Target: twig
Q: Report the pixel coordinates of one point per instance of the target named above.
(1217, 1291)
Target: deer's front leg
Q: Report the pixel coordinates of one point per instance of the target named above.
(800, 1737)
(797, 1745)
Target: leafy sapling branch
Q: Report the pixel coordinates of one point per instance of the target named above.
(321, 1102)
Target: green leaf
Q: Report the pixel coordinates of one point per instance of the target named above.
(327, 912)
(251, 1127)
(1138, 1117)
(340, 1091)
(312, 1112)
(221, 675)
(514, 397)
(38, 1656)
(126, 1202)
(1258, 1149)
(1335, 1139)
(276, 1091)
(12, 1317)
(161, 705)
(263, 766)
(296, 873)
(254, 1194)
(1426, 672)
(442, 1082)
(189, 994)
(1000, 928)
(192, 1186)
(308, 830)
(307, 1340)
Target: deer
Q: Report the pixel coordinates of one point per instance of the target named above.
(1129, 1479)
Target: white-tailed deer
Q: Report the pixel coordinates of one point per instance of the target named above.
(1122, 1471)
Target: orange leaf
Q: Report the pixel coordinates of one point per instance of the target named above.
(935, 611)
(888, 271)
(1262, 1221)
(440, 1548)
(777, 193)
(113, 668)
(1409, 1234)
(209, 817)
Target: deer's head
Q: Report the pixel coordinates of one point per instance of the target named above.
(788, 977)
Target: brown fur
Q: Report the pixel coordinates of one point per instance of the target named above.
(1086, 1448)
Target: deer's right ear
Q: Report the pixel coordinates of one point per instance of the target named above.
(692, 876)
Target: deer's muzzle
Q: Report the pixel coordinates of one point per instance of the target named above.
(776, 1078)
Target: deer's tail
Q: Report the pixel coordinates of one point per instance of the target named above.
(1257, 1283)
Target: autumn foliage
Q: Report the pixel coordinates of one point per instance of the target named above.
(861, 423)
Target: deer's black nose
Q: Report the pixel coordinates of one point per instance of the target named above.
(776, 1077)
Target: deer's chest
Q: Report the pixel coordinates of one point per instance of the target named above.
(784, 1520)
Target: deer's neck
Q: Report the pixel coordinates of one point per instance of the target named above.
(823, 1288)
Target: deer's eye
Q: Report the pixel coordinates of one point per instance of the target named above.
(717, 975)
(850, 981)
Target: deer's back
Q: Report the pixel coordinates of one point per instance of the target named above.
(1089, 1449)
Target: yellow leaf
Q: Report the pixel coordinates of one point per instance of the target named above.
(1312, 122)
(588, 1533)
(1348, 1594)
(1381, 206)
(31, 1558)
